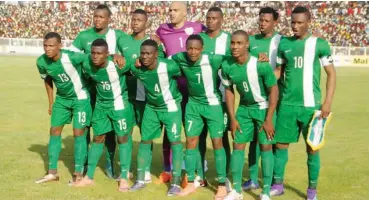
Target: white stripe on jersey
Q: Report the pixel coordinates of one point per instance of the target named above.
(140, 91)
(253, 77)
(221, 44)
(308, 71)
(74, 76)
(75, 49)
(165, 87)
(273, 47)
(208, 82)
(115, 86)
(111, 39)
(221, 87)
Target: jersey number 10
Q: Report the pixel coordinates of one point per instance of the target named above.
(299, 61)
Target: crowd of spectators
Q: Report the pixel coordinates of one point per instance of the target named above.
(342, 23)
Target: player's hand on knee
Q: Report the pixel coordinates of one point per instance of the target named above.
(119, 60)
(262, 57)
(268, 128)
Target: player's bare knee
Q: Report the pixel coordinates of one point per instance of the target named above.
(238, 146)
(78, 132)
(217, 143)
(122, 139)
(282, 145)
(175, 143)
(266, 147)
(191, 142)
(56, 131)
(99, 138)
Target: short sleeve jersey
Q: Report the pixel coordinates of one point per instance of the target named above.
(269, 46)
(174, 40)
(220, 45)
(85, 38)
(202, 77)
(252, 80)
(130, 49)
(301, 61)
(160, 84)
(110, 83)
(66, 74)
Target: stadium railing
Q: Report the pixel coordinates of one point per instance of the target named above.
(342, 56)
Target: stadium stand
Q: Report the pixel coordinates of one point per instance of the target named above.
(342, 23)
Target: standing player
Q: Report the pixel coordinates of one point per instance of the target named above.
(162, 108)
(174, 35)
(300, 58)
(83, 43)
(216, 41)
(64, 68)
(112, 112)
(266, 43)
(203, 109)
(129, 46)
(257, 86)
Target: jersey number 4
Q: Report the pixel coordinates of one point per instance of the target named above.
(156, 88)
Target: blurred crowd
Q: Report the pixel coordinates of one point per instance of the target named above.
(342, 23)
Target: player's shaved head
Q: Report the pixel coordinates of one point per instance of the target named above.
(194, 47)
(100, 43)
(150, 43)
(178, 13)
(52, 45)
(195, 37)
(141, 12)
(216, 9)
(301, 9)
(103, 7)
(53, 35)
(241, 33)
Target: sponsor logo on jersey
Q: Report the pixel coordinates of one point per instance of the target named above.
(189, 31)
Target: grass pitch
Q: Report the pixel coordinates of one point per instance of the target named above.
(24, 136)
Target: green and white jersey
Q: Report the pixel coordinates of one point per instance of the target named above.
(252, 80)
(85, 38)
(160, 84)
(220, 45)
(130, 48)
(110, 83)
(301, 61)
(269, 46)
(66, 74)
(202, 77)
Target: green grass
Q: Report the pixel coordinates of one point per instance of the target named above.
(24, 135)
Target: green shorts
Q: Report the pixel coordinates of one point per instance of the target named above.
(251, 120)
(65, 109)
(198, 114)
(139, 108)
(291, 121)
(153, 120)
(106, 120)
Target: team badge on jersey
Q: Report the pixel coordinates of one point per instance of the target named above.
(316, 134)
(189, 31)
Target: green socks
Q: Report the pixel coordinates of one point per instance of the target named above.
(267, 165)
(280, 161)
(190, 161)
(237, 163)
(93, 157)
(254, 155)
(143, 159)
(125, 156)
(200, 165)
(177, 163)
(80, 147)
(313, 164)
(220, 164)
(54, 151)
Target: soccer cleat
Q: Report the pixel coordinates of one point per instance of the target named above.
(199, 182)
(276, 190)
(138, 186)
(234, 195)
(264, 197)
(228, 185)
(311, 194)
(165, 177)
(147, 177)
(250, 185)
(174, 190)
(47, 178)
